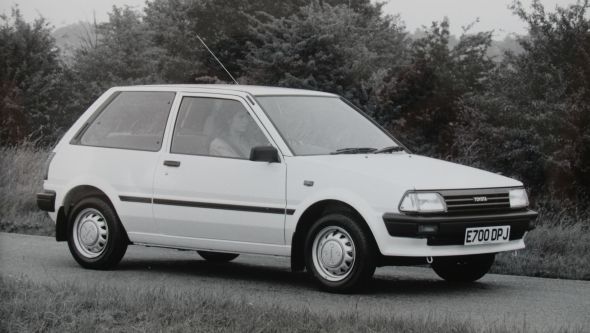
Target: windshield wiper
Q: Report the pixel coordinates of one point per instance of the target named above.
(357, 150)
(390, 149)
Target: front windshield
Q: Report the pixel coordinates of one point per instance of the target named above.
(323, 125)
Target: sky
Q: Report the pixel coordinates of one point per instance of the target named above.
(491, 14)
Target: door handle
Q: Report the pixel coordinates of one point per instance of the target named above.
(172, 163)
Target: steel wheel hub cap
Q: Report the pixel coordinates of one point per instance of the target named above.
(333, 253)
(90, 233)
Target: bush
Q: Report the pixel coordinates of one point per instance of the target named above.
(533, 120)
(21, 177)
(33, 81)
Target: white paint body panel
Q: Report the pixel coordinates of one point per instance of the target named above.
(218, 180)
(374, 185)
(236, 182)
(371, 184)
(114, 171)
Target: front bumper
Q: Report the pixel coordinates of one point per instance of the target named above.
(450, 229)
(46, 201)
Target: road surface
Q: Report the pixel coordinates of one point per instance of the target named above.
(531, 303)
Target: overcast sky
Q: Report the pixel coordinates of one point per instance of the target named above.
(492, 14)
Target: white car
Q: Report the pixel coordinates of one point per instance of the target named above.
(231, 169)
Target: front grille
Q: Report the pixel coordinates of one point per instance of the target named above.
(476, 201)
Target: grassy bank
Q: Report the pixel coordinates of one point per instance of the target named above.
(552, 251)
(26, 307)
(21, 176)
(559, 247)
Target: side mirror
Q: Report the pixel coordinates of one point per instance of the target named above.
(265, 154)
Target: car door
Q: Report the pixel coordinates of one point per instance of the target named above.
(207, 193)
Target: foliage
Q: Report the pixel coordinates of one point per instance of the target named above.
(534, 117)
(420, 102)
(21, 176)
(121, 54)
(32, 80)
(334, 49)
(223, 24)
(553, 251)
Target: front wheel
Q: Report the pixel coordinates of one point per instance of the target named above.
(96, 237)
(339, 253)
(463, 269)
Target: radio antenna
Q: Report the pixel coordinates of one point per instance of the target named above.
(217, 59)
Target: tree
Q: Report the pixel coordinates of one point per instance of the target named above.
(223, 24)
(535, 117)
(329, 48)
(175, 24)
(31, 80)
(421, 101)
(122, 54)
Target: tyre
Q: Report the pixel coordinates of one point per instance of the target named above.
(96, 237)
(339, 253)
(217, 256)
(463, 269)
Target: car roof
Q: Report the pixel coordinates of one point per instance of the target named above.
(227, 88)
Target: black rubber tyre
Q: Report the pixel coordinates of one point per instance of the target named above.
(115, 245)
(217, 256)
(463, 269)
(333, 227)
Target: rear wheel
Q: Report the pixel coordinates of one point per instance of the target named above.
(463, 269)
(217, 256)
(339, 253)
(96, 237)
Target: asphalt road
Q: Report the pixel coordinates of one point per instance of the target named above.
(534, 304)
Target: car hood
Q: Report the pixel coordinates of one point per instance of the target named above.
(412, 171)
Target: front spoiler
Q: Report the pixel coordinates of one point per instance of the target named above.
(450, 229)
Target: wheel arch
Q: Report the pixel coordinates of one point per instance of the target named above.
(312, 214)
(72, 197)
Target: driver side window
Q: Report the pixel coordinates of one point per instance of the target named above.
(215, 127)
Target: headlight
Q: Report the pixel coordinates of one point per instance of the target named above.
(422, 202)
(518, 198)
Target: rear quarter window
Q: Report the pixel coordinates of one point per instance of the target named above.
(131, 120)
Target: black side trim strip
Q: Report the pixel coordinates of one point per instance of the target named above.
(135, 199)
(208, 205)
(224, 206)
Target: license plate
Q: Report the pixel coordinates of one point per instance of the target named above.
(487, 235)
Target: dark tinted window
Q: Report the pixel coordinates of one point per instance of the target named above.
(215, 127)
(132, 120)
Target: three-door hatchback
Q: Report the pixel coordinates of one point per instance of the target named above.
(226, 170)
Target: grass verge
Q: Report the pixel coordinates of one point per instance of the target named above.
(27, 307)
(552, 251)
(21, 177)
(558, 248)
